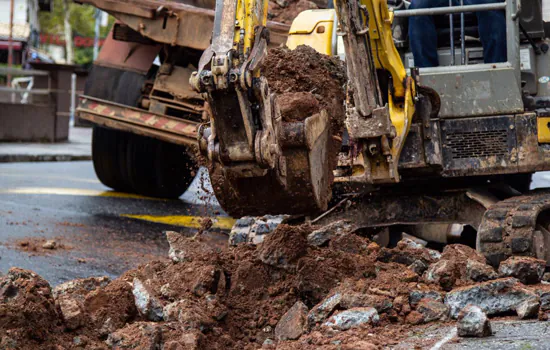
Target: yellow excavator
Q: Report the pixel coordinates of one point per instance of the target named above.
(451, 147)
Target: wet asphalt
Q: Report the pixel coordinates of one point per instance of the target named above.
(65, 202)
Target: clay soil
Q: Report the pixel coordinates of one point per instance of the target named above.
(290, 9)
(230, 299)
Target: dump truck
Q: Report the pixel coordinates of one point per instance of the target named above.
(422, 148)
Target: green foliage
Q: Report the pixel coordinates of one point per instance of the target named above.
(82, 21)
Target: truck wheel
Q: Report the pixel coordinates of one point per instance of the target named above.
(133, 163)
(158, 169)
(108, 155)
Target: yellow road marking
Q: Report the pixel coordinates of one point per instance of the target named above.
(72, 192)
(221, 222)
(68, 178)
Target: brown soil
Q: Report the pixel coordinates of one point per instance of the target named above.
(286, 14)
(35, 245)
(304, 70)
(226, 299)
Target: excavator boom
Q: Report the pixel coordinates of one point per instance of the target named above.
(245, 141)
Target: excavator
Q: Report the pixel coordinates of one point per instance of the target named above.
(446, 151)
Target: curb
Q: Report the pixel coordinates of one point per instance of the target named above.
(16, 158)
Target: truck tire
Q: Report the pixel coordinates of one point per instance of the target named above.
(158, 169)
(109, 157)
(133, 163)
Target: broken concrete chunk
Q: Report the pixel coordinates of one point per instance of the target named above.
(493, 297)
(353, 318)
(323, 310)
(250, 229)
(473, 322)
(410, 243)
(418, 267)
(353, 300)
(432, 310)
(147, 305)
(416, 295)
(442, 272)
(139, 335)
(527, 269)
(184, 248)
(293, 323)
(81, 286)
(189, 314)
(528, 309)
(460, 252)
(323, 235)
(544, 299)
(72, 312)
(480, 272)
(50, 244)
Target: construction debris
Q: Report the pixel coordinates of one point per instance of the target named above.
(287, 292)
(473, 322)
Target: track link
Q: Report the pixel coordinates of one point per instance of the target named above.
(510, 228)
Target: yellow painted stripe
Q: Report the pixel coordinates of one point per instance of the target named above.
(72, 192)
(67, 178)
(221, 222)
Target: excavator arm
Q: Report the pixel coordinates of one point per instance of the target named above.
(261, 164)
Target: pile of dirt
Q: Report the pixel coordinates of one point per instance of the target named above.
(305, 75)
(284, 293)
(284, 11)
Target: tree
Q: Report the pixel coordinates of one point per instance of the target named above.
(81, 20)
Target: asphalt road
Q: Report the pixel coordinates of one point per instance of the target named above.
(99, 232)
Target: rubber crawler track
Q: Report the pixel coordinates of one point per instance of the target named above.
(509, 227)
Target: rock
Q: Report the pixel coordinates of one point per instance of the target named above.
(184, 248)
(138, 335)
(546, 277)
(409, 242)
(207, 280)
(80, 287)
(528, 309)
(399, 303)
(416, 295)
(442, 273)
(493, 297)
(353, 318)
(414, 317)
(176, 338)
(418, 267)
(480, 272)
(353, 300)
(284, 247)
(323, 235)
(323, 310)
(473, 322)
(350, 243)
(50, 244)
(250, 229)
(146, 303)
(527, 269)
(544, 299)
(432, 310)
(26, 304)
(268, 342)
(189, 314)
(293, 323)
(72, 312)
(408, 252)
(462, 253)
